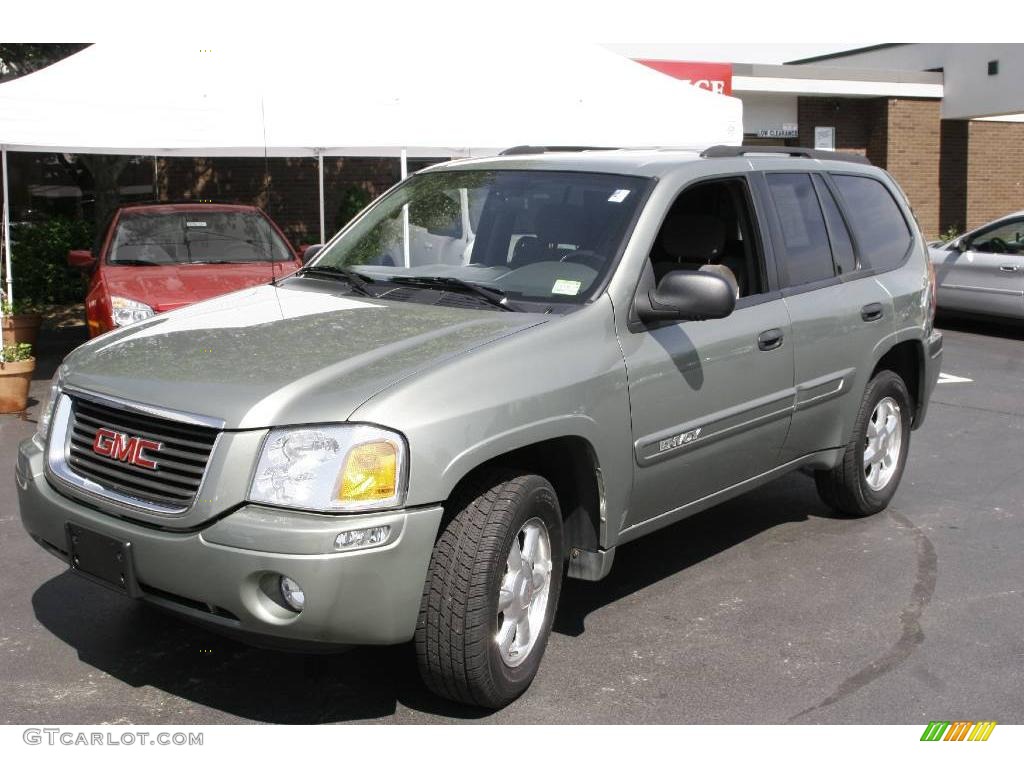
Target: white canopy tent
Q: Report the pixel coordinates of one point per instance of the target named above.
(430, 98)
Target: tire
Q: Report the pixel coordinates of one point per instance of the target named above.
(853, 488)
(457, 632)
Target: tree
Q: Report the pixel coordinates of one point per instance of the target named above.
(98, 173)
(17, 59)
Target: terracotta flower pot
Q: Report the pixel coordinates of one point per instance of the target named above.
(21, 329)
(14, 381)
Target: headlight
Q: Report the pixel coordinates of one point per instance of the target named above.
(48, 402)
(331, 468)
(128, 311)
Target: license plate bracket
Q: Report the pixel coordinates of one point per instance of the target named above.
(102, 559)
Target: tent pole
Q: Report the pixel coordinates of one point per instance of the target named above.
(320, 159)
(405, 210)
(7, 229)
(156, 173)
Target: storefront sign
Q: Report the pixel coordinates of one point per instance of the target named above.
(716, 78)
(824, 137)
(787, 131)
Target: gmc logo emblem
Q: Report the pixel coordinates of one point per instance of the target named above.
(126, 448)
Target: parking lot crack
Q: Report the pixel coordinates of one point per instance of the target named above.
(911, 634)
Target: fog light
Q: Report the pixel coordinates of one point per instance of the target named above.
(362, 537)
(292, 594)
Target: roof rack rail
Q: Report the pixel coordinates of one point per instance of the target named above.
(527, 149)
(722, 150)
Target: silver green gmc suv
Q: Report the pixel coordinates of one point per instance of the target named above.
(497, 374)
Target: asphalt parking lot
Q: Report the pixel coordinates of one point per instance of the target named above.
(767, 609)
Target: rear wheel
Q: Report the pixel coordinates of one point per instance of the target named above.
(866, 479)
(491, 590)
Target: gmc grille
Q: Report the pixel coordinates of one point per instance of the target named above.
(181, 461)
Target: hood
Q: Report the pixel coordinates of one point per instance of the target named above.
(276, 355)
(171, 286)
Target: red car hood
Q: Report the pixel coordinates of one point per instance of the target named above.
(168, 287)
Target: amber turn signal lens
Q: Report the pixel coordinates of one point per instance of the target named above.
(370, 473)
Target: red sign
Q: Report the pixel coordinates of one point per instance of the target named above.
(716, 78)
(122, 447)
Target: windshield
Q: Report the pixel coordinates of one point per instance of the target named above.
(201, 237)
(535, 236)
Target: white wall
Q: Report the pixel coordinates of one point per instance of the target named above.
(766, 111)
(969, 90)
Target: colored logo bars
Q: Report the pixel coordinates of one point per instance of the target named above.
(959, 730)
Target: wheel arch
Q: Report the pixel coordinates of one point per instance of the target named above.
(906, 359)
(571, 465)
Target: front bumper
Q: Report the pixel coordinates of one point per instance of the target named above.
(225, 574)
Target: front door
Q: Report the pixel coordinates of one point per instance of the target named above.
(710, 400)
(710, 404)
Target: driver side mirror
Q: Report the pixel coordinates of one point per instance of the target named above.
(686, 295)
(81, 259)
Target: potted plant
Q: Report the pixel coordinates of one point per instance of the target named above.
(16, 367)
(20, 323)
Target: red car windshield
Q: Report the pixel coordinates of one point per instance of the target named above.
(214, 237)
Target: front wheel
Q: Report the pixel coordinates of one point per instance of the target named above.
(491, 590)
(866, 479)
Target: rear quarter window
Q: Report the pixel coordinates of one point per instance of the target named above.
(882, 233)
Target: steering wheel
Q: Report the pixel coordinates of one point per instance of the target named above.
(587, 258)
(998, 245)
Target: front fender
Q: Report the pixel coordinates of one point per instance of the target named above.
(565, 378)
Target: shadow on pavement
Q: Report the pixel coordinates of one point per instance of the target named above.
(143, 646)
(1007, 329)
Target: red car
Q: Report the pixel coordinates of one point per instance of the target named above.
(155, 258)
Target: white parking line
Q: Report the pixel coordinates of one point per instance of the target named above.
(949, 378)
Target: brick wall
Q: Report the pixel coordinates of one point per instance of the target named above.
(995, 179)
(912, 156)
(900, 135)
(982, 172)
(284, 187)
(860, 124)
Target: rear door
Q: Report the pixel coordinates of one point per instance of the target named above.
(839, 312)
(988, 276)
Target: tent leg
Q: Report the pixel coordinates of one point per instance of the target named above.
(7, 229)
(156, 174)
(405, 211)
(320, 159)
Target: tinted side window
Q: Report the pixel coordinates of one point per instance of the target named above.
(882, 232)
(842, 245)
(807, 257)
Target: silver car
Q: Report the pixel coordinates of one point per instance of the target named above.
(499, 373)
(982, 272)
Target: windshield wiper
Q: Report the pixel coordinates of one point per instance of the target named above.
(141, 263)
(358, 283)
(493, 296)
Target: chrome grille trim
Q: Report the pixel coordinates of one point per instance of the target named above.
(173, 492)
(149, 410)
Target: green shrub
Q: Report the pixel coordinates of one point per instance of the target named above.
(16, 353)
(40, 255)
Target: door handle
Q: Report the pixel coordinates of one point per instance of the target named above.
(770, 339)
(1009, 268)
(871, 312)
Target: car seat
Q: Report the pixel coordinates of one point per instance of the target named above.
(694, 241)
